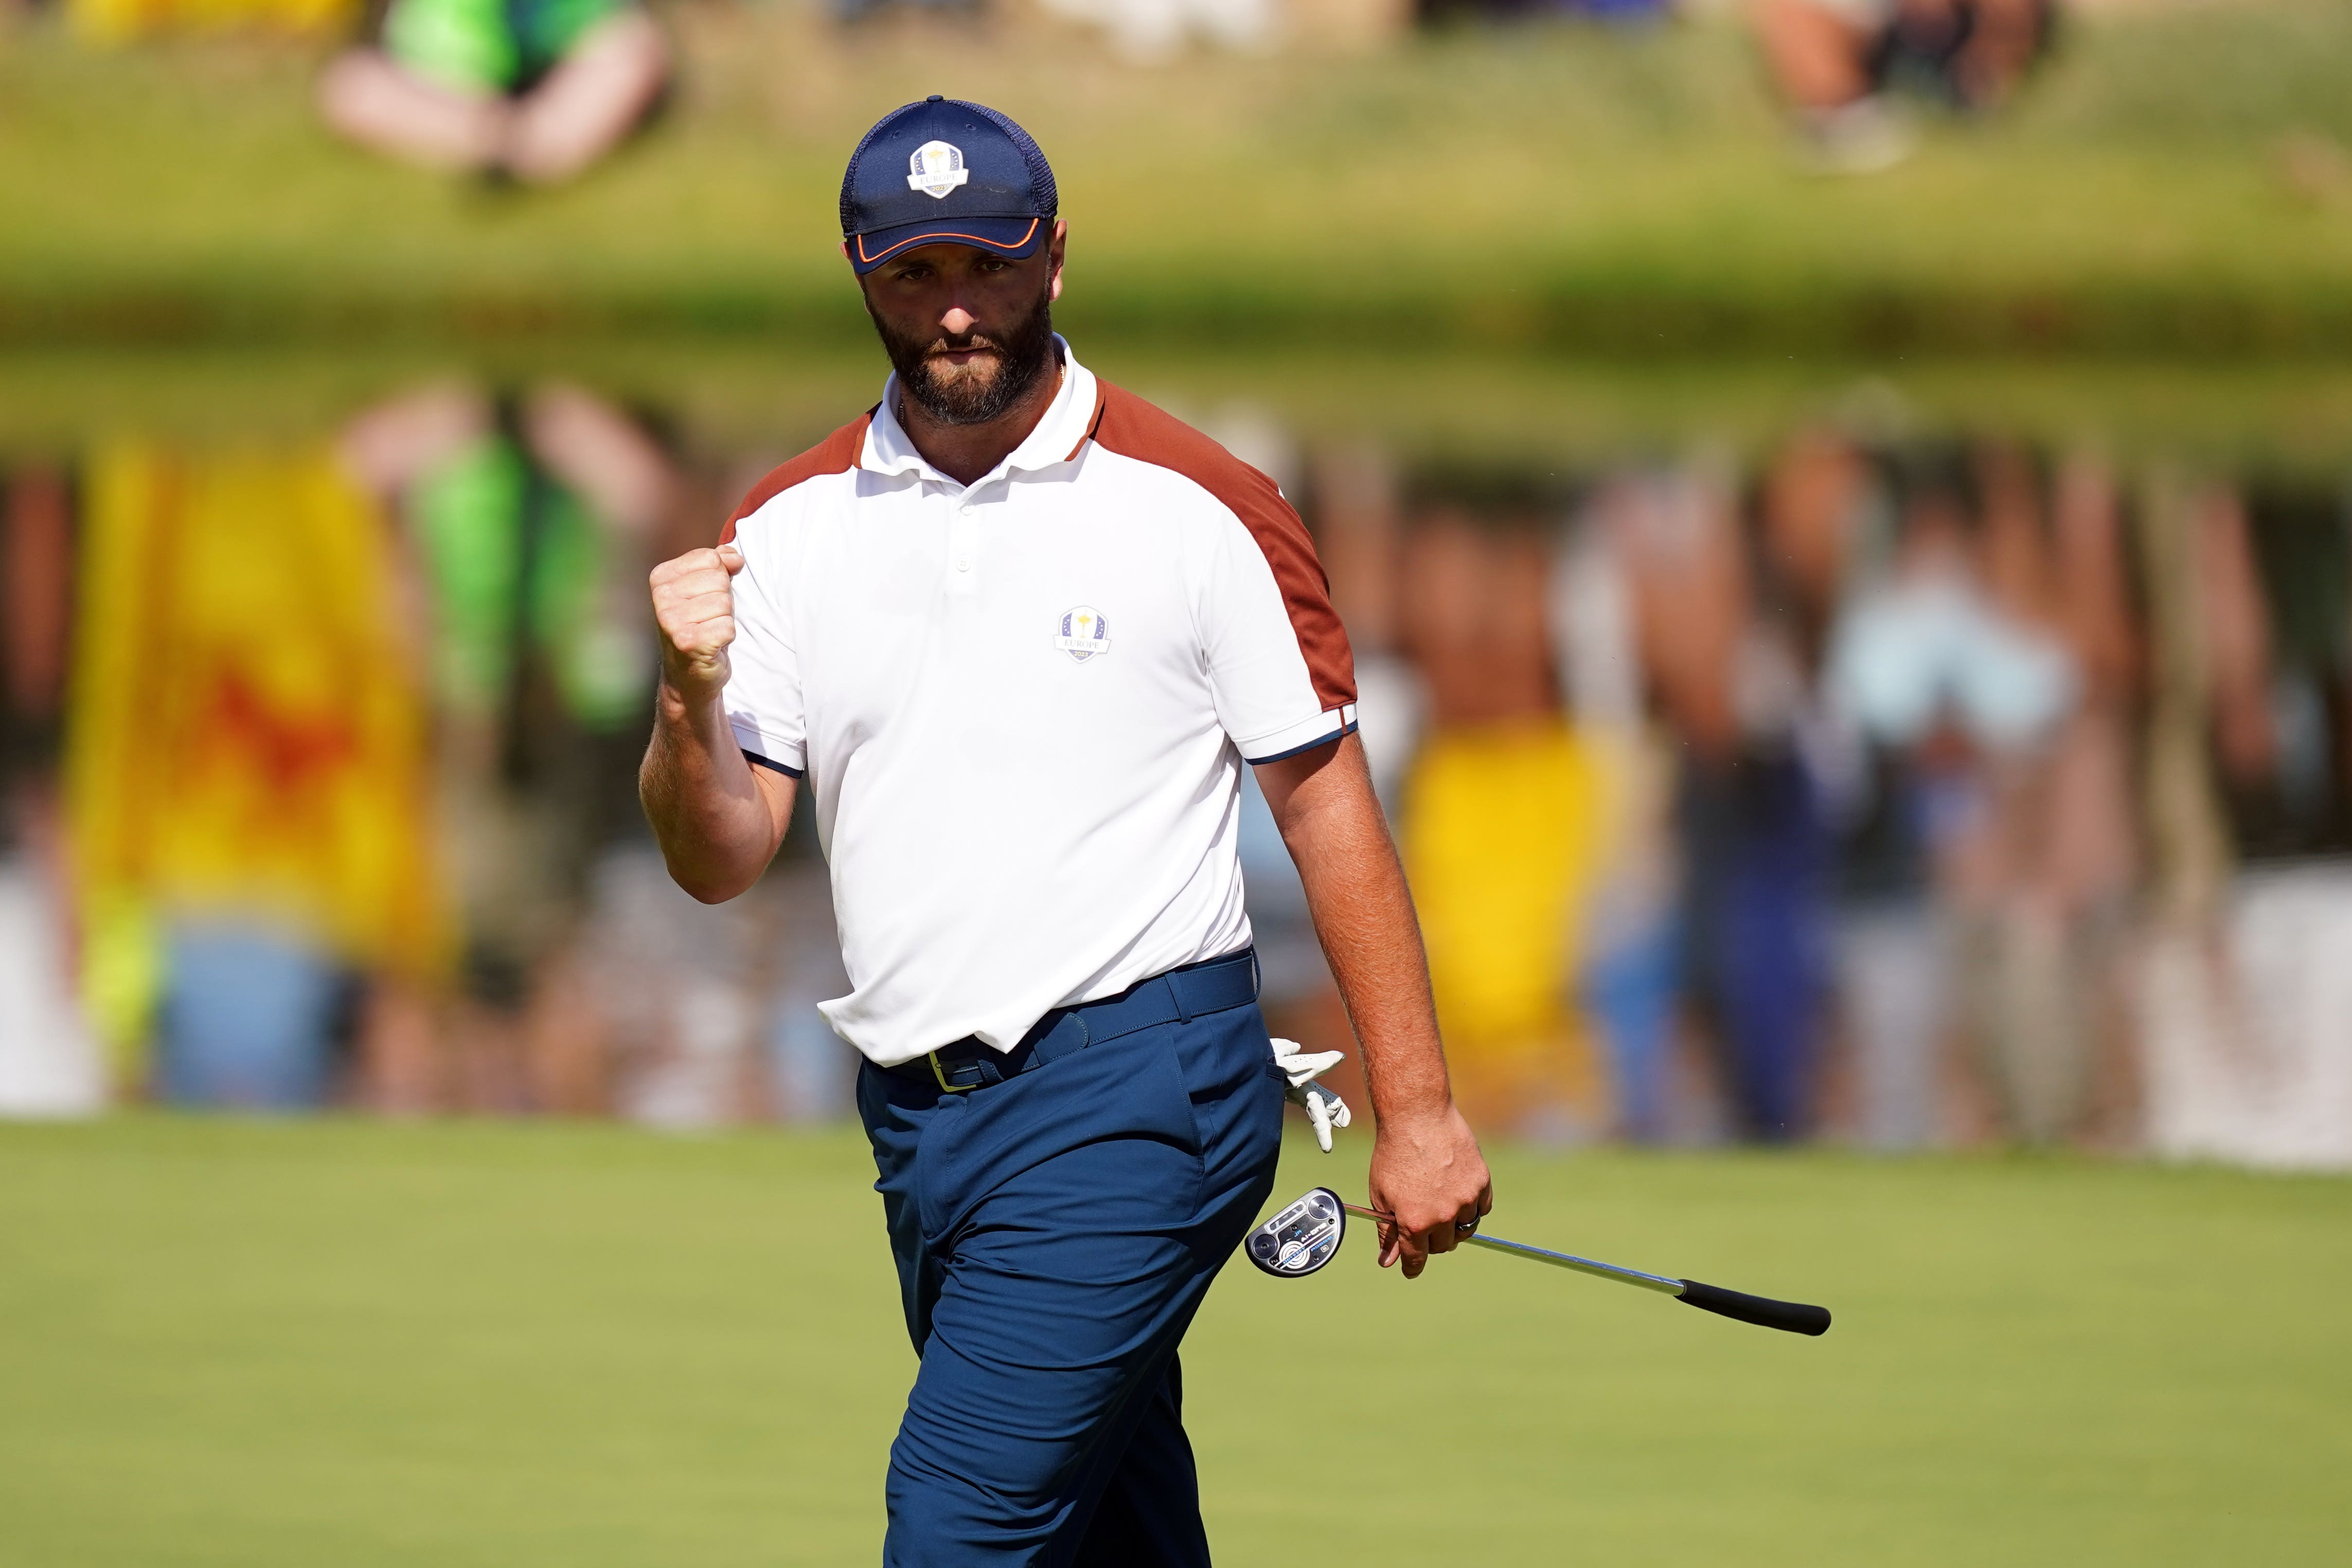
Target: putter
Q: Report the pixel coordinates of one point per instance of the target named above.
(1306, 1234)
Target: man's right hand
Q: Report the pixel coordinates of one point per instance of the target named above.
(694, 605)
(718, 818)
(1428, 1176)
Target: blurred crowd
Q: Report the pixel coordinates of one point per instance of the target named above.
(1903, 791)
(322, 783)
(537, 92)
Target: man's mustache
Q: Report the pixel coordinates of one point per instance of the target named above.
(951, 346)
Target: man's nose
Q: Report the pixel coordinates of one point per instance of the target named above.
(957, 321)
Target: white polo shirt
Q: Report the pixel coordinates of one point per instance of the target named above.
(1023, 705)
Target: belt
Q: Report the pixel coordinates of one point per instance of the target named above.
(1178, 996)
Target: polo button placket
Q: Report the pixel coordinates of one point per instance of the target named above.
(963, 546)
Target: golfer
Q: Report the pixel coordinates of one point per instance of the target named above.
(1018, 631)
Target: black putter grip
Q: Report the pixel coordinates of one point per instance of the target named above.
(1792, 1317)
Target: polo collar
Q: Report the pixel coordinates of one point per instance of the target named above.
(1068, 420)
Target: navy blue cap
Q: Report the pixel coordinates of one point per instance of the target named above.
(944, 171)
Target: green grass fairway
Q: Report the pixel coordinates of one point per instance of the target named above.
(349, 1344)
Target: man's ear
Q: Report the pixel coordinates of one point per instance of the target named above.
(1053, 252)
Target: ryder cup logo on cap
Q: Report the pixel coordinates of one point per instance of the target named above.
(944, 172)
(1084, 633)
(939, 169)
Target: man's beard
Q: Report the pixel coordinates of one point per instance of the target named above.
(955, 396)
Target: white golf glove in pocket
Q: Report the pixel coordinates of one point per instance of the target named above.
(1324, 1109)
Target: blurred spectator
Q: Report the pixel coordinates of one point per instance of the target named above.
(49, 1059)
(2243, 1030)
(35, 576)
(1837, 61)
(1726, 662)
(2033, 868)
(2241, 989)
(1631, 983)
(1824, 511)
(589, 983)
(2283, 781)
(529, 522)
(538, 90)
(1753, 836)
(1503, 814)
(2041, 883)
(1956, 660)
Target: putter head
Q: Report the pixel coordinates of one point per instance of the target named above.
(1301, 1239)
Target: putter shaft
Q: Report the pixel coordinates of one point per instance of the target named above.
(1789, 1317)
(1594, 1267)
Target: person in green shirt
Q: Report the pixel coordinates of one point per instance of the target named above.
(537, 90)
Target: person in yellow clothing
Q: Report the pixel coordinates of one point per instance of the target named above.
(1503, 843)
(1506, 814)
(122, 22)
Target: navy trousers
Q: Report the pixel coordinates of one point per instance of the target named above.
(1055, 1233)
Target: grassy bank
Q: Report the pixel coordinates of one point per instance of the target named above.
(2178, 181)
(262, 1344)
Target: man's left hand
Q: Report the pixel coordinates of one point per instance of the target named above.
(1428, 1173)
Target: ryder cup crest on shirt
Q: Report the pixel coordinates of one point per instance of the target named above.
(938, 168)
(1084, 633)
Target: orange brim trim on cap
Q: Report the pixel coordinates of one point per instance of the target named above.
(943, 234)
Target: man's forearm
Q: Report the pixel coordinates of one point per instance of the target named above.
(1363, 916)
(1426, 1174)
(708, 810)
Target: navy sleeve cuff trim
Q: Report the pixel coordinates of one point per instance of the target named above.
(757, 760)
(1341, 733)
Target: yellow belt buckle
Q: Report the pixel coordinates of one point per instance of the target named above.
(940, 1073)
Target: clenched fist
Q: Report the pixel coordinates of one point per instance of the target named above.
(694, 605)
